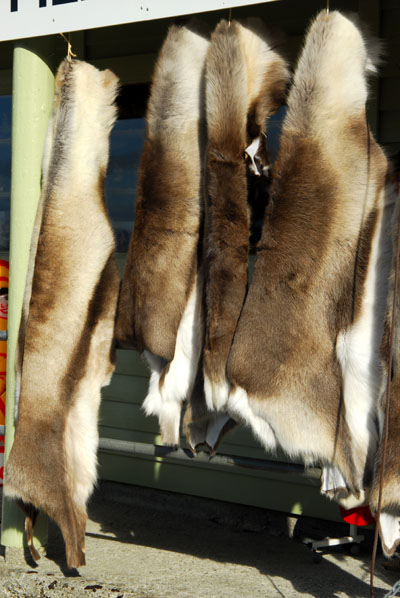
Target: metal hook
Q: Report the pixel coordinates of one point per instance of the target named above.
(327, 7)
(230, 17)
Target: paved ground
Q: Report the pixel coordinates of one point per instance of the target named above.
(152, 544)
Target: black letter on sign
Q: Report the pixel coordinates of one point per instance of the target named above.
(14, 5)
(42, 3)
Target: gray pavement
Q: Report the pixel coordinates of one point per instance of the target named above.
(142, 543)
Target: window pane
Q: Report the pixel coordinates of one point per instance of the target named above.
(126, 146)
(5, 171)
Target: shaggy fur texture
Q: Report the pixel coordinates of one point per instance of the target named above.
(65, 343)
(304, 365)
(245, 82)
(389, 521)
(160, 304)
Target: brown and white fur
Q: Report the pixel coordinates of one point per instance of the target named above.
(65, 352)
(389, 519)
(304, 365)
(160, 304)
(245, 83)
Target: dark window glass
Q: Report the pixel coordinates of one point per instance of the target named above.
(126, 145)
(5, 171)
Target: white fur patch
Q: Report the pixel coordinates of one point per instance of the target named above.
(182, 370)
(358, 348)
(389, 527)
(81, 430)
(251, 151)
(165, 400)
(168, 412)
(239, 408)
(81, 440)
(216, 394)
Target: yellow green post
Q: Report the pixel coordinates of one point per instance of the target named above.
(33, 90)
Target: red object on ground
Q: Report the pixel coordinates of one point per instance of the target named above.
(359, 516)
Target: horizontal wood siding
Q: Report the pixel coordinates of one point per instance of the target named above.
(122, 418)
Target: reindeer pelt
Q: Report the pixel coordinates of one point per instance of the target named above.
(245, 83)
(389, 518)
(65, 352)
(160, 308)
(304, 367)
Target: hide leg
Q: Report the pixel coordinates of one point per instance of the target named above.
(167, 411)
(73, 530)
(334, 486)
(389, 530)
(31, 515)
(200, 425)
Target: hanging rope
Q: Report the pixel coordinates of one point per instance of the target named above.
(70, 54)
(387, 405)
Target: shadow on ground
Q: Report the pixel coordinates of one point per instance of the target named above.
(212, 533)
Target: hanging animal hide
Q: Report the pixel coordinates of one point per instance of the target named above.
(160, 310)
(304, 366)
(65, 352)
(245, 83)
(389, 519)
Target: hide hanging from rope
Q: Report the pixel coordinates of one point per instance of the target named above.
(304, 368)
(160, 311)
(246, 82)
(65, 350)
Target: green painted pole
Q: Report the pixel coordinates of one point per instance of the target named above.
(33, 90)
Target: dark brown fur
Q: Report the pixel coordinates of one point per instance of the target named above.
(236, 114)
(162, 256)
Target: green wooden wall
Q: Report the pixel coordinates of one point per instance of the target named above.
(122, 418)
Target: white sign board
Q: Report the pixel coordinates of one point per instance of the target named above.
(32, 18)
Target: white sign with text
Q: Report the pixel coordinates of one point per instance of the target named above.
(33, 18)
